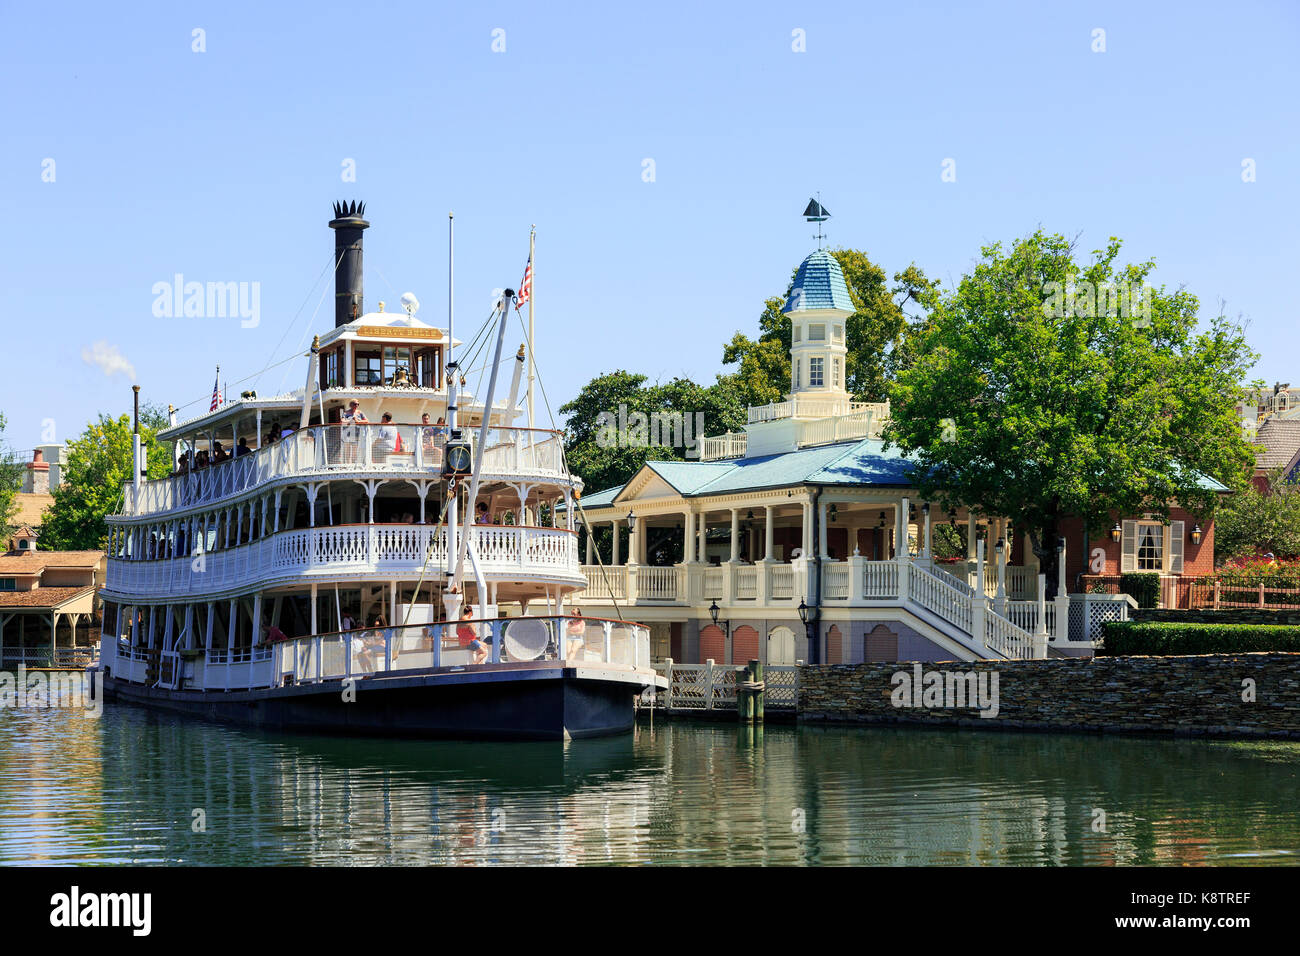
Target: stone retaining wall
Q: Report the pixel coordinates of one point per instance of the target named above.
(1195, 696)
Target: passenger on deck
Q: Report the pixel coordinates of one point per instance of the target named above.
(242, 448)
(387, 439)
(372, 646)
(576, 632)
(219, 453)
(468, 636)
(483, 517)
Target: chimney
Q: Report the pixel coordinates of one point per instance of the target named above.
(348, 226)
(38, 473)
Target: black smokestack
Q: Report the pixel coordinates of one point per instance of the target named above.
(348, 226)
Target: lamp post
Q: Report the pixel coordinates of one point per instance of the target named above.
(808, 616)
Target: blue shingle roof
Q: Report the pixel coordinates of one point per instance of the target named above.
(819, 284)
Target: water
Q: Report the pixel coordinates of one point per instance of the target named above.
(126, 788)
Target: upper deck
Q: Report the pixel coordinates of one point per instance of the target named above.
(335, 452)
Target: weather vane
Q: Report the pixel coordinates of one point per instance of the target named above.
(817, 213)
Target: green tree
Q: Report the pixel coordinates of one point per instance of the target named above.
(1028, 400)
(872, 333)
(1254, 522)
(11, 482)
(99, 463)
(603, 454)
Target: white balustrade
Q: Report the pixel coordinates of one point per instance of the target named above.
(326, 449)
(745, 577)
(394, 549)
(880, 580)
(835, 581)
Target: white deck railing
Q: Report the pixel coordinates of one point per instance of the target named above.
(345, 449)
(304, 553)
(728, 445)
(394, 650)
(803, 406)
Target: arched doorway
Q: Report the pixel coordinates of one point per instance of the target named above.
(744, 645)
(780, 646)
(713, 644)
(834, 645)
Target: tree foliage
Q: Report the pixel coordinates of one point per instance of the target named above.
(1013, 406)
(1252, 522)
(99, 463)
(607, 443)
(11, 482)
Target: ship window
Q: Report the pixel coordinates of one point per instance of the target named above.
(797, 332)
(816, 373)
(817, 333)
(835, 372)
(8, 584)
(797, 363)
(369, 369)
(329, 369)
(395, 358)
(839, 333)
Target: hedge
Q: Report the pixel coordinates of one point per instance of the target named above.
(1160, 638)
(1143, 586)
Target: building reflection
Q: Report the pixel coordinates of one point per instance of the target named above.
(136, 786)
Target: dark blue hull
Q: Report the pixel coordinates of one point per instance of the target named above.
(509, 702)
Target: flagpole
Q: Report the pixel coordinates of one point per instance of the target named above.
(532, 340)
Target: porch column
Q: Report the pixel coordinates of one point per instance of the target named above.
(735, 535)
(702, 539)
(614, 553)
(767, 546)
(591, 546)
(900, 529)
(806, 538)
(688, 538)
(925, 546)
(823, 532)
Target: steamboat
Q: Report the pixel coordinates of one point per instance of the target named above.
(385, 553)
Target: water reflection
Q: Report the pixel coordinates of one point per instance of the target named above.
(135, 787)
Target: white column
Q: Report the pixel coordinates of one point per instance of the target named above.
(591, 547)
(767, 547)
(735, 535)
(703, 534)
(925, 547)
(822, 510)
(614, 553)
(688, 538)
(900, 529)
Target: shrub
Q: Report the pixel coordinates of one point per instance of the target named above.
(1164, 638)
(1143, 586)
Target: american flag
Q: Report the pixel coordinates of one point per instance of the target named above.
(216, 391)
(525, 287)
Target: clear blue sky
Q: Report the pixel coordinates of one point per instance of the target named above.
(222, 166)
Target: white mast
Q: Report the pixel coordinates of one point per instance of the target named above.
(532, 342)
(452, 605)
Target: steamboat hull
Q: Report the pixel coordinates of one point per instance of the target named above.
(526, 702)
